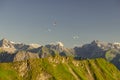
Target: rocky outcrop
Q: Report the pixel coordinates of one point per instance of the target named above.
(7, 46)
(23, 55)
(56, 69)
(11, 51)
(12, 47)
(56, 46)
(98, 49)
(95, 49)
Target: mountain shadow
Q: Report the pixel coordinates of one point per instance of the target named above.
(6, 57)
(116, 61)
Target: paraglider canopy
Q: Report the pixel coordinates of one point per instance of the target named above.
(54, 23)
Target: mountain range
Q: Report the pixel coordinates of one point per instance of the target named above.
(99, 49)
(11, 51)
(91, 54)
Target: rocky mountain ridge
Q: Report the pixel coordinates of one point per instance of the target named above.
(13, 47)
(59, 68)
(55, 62)
(99, 49)
(11, 51)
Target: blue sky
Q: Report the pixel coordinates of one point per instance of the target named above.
(77, 21)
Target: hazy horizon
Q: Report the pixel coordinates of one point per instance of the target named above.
(71, 22)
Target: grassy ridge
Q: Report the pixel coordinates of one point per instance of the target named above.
(59, 68)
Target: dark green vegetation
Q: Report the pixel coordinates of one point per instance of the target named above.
(59, 68)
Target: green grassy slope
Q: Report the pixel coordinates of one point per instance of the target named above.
(59, 68)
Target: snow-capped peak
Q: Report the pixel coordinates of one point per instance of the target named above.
(60, 44)
(35, 45)
(116, 43)
(12, 42)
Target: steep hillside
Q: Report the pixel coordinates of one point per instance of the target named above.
(59, 68)
(99, 49)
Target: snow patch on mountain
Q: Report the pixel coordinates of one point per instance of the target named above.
(60, 44)
(35, 45)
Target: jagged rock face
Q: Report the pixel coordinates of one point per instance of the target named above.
(23, 52)
(7, 46)
(45, 52)
(23, 55)
(105, 45)
(19, 52)
(26, 47)
(90, 50)
(95, 49)
(12, 47)
(20, 46)
(58, 46)
(19, 56)
(22, 68)
(59, 68)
